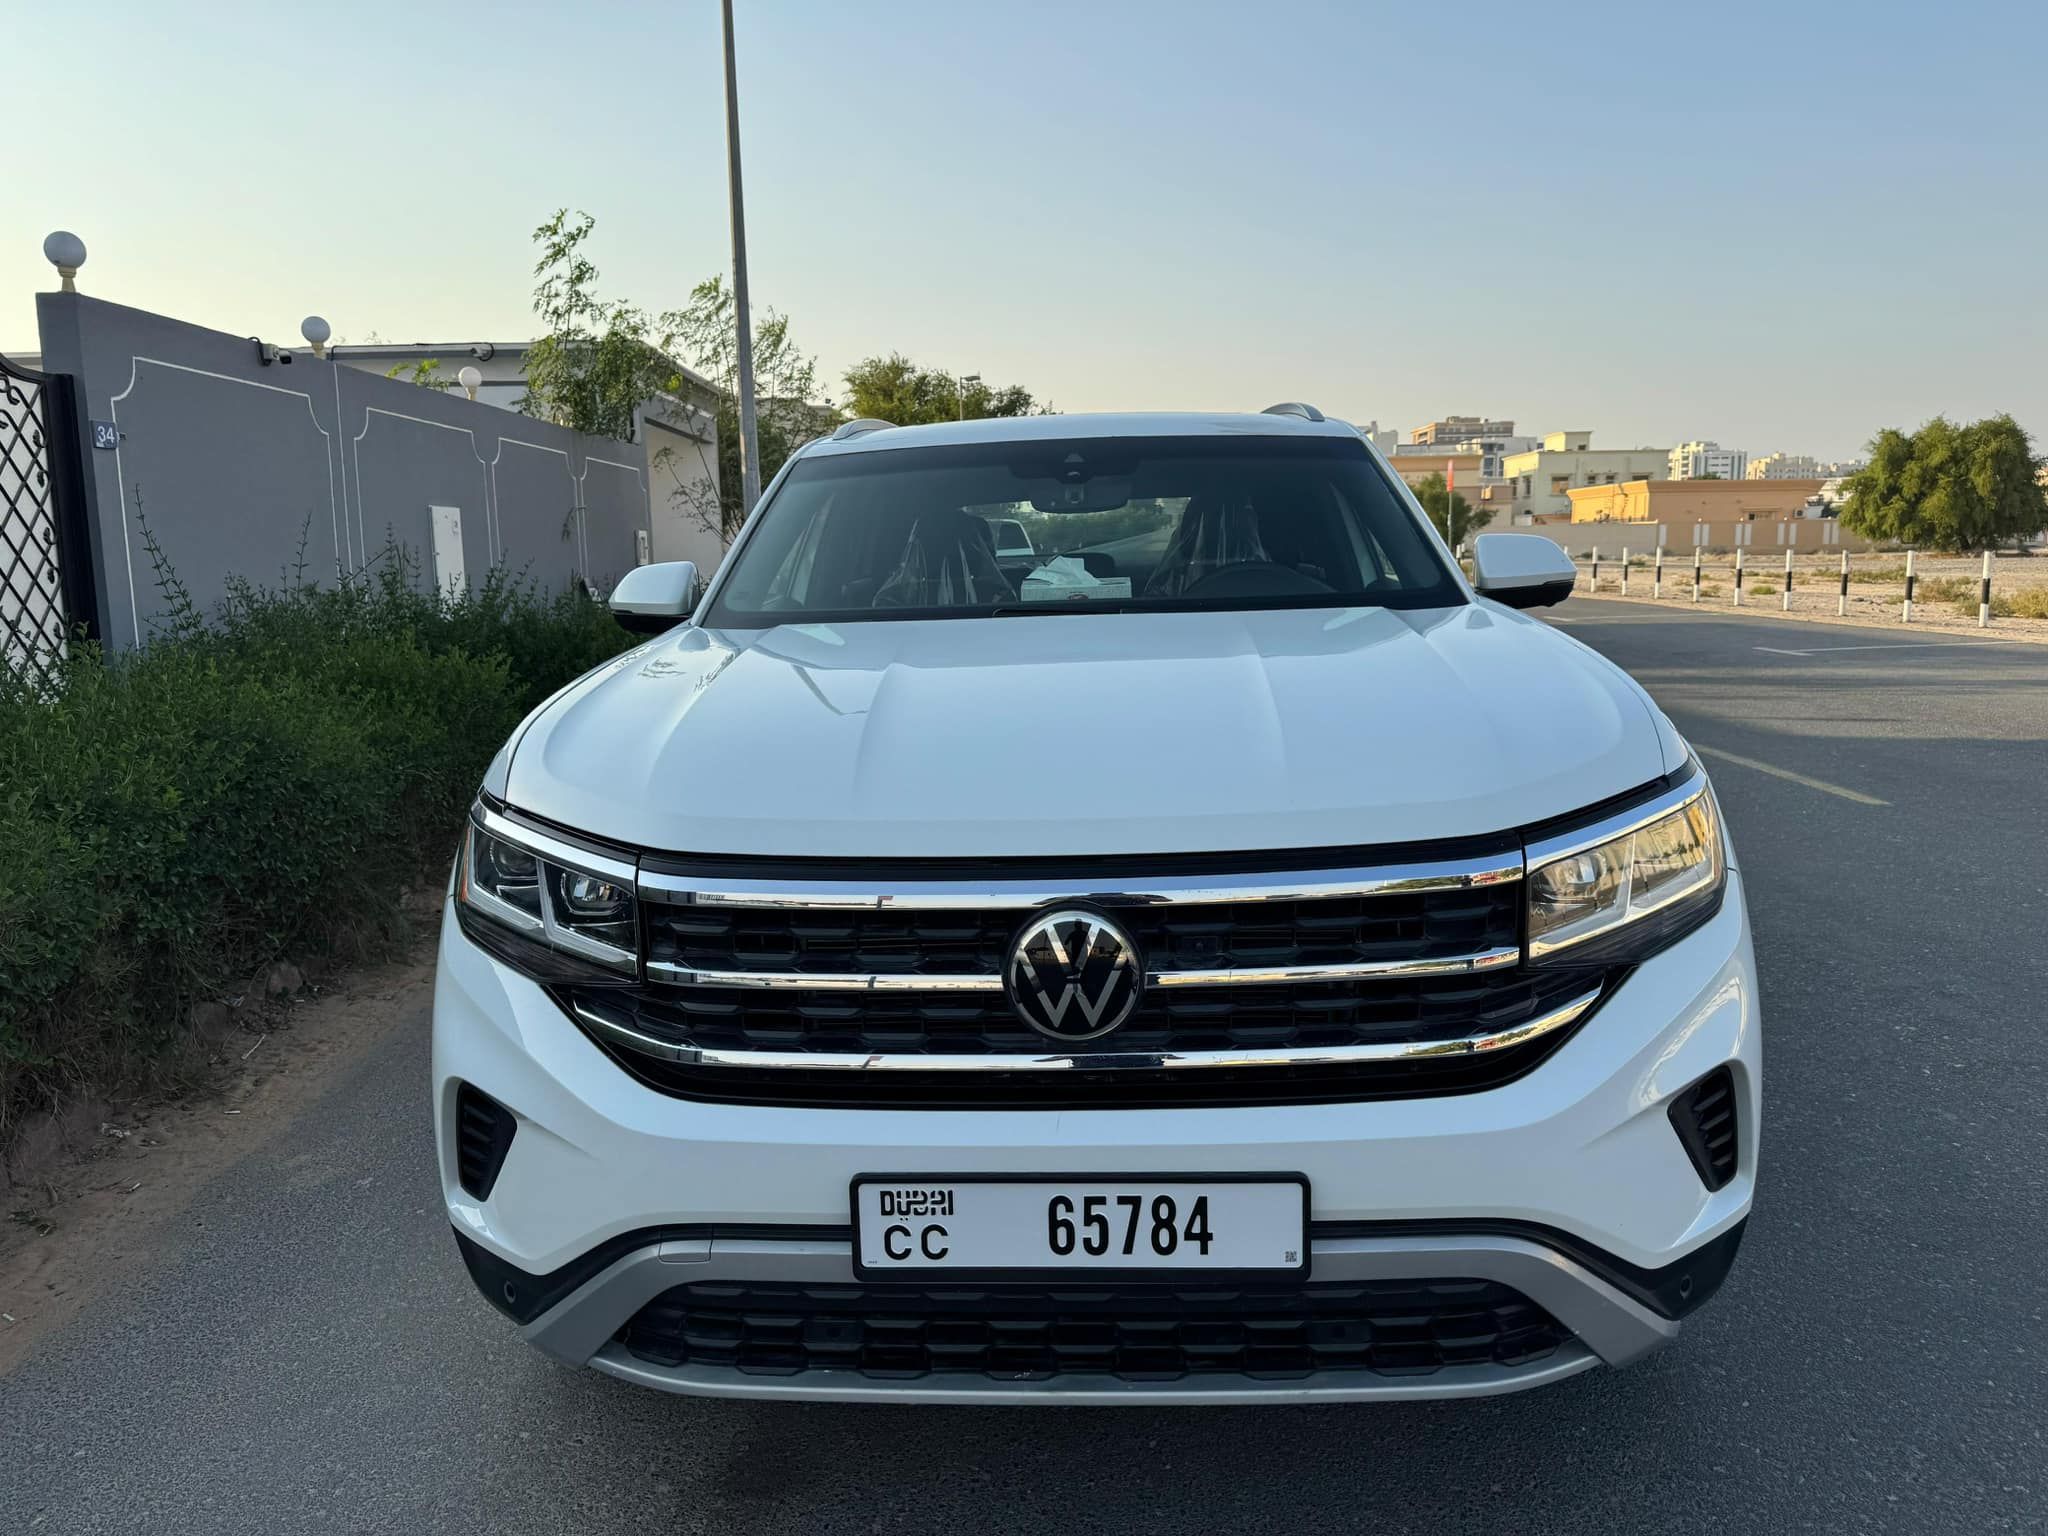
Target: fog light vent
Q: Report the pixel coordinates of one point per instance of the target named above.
(483, 1135)
(1704, 1117)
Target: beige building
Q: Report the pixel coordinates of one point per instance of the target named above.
(1692, 501)
(1414, 468)
(1543, 478)
(1786, 466)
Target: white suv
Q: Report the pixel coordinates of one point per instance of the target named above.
(1237, 961)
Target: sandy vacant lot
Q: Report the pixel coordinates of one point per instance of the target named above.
(1945, 596)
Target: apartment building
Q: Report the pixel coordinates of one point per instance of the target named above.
(1493, 441)
(1542, 478)
(1706, 460)
(1460, 429)
(1785, 466)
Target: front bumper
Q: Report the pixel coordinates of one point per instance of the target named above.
(1568, 1185)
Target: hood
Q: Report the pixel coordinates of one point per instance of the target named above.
(1082, 734)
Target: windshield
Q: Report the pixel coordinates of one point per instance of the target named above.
(1106, 523)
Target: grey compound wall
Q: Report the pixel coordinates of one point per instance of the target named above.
(237, 462)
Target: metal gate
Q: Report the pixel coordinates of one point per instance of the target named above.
(46, 593)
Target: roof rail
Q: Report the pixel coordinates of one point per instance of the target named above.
(858, 426)
(1293, 408)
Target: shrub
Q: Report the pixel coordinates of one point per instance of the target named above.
(1946, 589)
(2022, 603)
(176, 818)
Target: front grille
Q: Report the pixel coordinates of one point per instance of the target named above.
(1132, 1333)
(1355, 974)
(1324, 1014)
(483, 1135)
(1704, 1118)
(1414, 925)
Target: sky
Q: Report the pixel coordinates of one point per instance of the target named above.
(1781, 226)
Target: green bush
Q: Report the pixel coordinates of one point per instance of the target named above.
(175, 819)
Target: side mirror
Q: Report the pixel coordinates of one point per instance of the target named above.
(1522, 570)
(653, 598)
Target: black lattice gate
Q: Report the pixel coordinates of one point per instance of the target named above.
(45, 570)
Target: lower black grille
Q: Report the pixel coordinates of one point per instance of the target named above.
(1133, 1333)
(1704, 1117)
(483, 1135)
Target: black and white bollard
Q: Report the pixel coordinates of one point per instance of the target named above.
(1624, 570)
(1907, 616)
(1984, 594)
(1842, 593)
(1695, 573)
(1594, 585)
(1738, 575)
(1785, 598)
(1657, 573)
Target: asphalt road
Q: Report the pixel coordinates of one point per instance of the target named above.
(310, 1357)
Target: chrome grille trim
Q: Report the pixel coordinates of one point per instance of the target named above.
(1022, 895)
(610, 1027)
(1227, 976)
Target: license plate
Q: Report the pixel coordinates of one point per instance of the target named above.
(993, 1226)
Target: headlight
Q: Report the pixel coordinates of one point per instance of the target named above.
(1656, 877)
(544, 906)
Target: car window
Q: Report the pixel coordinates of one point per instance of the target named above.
(1223, 522)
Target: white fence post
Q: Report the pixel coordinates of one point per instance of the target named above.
(1738, 575)
(1657, 573)
(1785, 598)
(1842, 596)
(1984, 595)
(1695, 573)
(1906, 617)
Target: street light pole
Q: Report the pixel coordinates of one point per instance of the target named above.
(960, 392)
(750, 448)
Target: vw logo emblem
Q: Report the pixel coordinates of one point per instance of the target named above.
(1073, 975)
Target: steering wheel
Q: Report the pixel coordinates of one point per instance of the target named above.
(1256, 578)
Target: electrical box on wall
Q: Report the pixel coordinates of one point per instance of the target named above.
(449, 574)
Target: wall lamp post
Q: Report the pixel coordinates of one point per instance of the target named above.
(66, 252)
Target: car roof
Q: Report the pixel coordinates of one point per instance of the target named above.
(1026, 429)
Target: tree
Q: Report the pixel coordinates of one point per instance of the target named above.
(1948, 486)
(1455, 517)
(599, 361)
(895, 389)
(594, 365)
(787, 410)
(426, 373)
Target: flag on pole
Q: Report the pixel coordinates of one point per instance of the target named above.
(1450, 475)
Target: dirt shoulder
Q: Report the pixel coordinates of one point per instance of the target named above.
(107, 1201)
(1815, 607)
